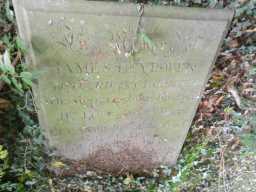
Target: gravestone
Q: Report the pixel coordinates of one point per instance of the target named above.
(119, 83)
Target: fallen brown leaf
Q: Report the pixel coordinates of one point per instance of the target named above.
(219, 100)
(243, 1)
(250, 30)
(233, 91)
(249, 93)
(233, 43)
(234, 142)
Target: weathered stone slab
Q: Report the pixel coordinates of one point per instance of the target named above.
(117, 90)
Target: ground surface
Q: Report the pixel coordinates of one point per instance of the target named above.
(220, 150)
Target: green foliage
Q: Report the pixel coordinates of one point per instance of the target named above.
(26, 158)
(18, 82)
(3, 161)
(9, 14)
(194, 167)
(22, 166)
(248, 138)
(247, 8)
(20, 45)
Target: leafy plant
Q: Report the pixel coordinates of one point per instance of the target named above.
(18, 82)
(22, 167)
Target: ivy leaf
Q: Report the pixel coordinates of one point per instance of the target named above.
(5, 79)
(26, 78)
(3, 153)
(58, 164)
(26, 75)
(16, 84)
(128, 181)
(147, 39)
(6, 39)
(8, 12)
(20, 45)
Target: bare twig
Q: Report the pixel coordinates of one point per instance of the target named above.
(16, 59)
(251, 30)
(139, 25)
(222, 184)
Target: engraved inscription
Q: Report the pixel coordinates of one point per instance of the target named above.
(116, 83)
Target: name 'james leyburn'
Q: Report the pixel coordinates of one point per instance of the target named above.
(129, 67)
